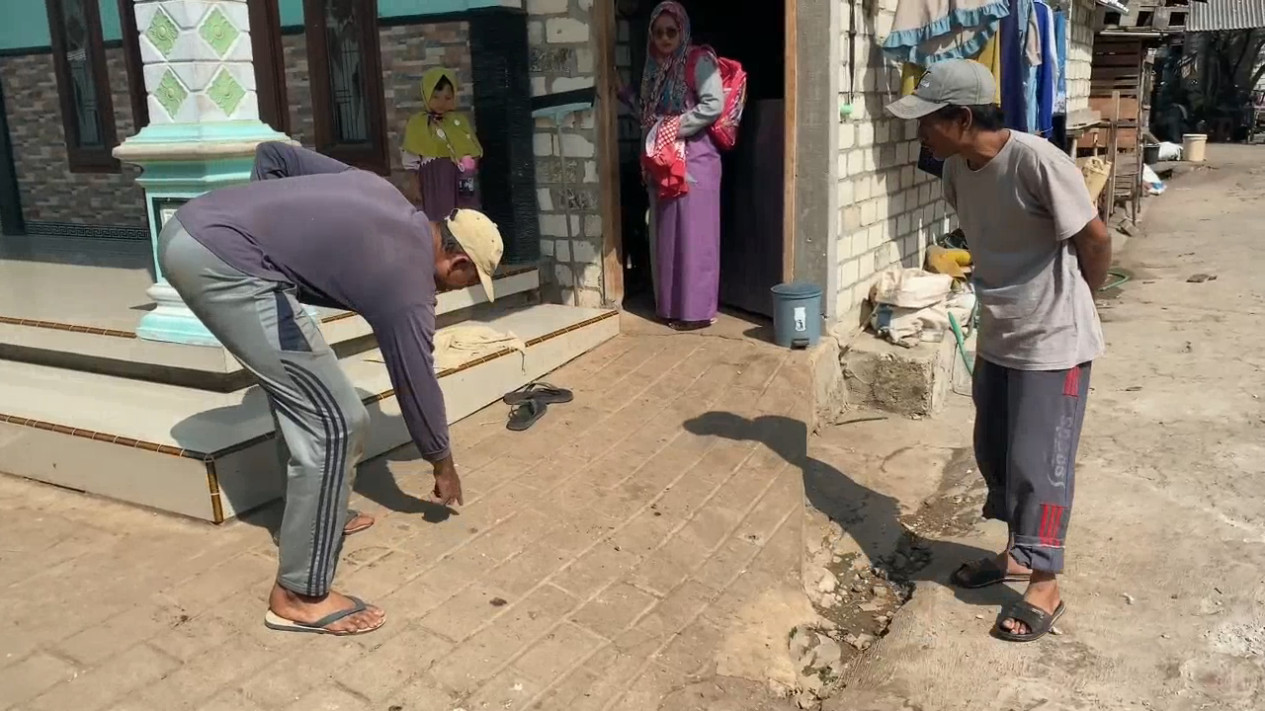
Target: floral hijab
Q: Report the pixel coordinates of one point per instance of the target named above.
(664, 90)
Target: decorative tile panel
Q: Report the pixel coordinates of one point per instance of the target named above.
(170, 93)
(162, 32)
(219, 32)
(226, 92)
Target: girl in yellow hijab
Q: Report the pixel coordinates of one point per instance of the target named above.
(440, 148)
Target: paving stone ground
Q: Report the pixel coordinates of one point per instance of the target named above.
(598, 562)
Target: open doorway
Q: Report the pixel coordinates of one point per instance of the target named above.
(753, 179)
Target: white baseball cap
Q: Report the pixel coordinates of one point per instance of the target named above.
(481, 241)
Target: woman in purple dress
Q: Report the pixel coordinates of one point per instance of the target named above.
(685, 231)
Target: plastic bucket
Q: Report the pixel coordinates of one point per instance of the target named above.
(796, 315)
(1193, 147)
(1151, 154)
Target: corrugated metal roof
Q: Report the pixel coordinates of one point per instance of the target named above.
(1225, 15)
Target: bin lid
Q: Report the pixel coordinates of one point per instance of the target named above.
(797, 290)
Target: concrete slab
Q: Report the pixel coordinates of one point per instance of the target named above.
(907, 381)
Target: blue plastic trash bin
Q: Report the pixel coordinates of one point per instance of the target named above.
(796, 315)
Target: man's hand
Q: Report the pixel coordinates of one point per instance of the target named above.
(447, 483)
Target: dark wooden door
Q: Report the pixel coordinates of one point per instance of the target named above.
(751, 238)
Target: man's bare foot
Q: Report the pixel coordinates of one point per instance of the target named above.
(357, 522)
(307, 610)
(1006, 562)
(1042, 593)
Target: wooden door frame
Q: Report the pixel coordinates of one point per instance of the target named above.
(607, 119)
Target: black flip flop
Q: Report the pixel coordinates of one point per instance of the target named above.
(540, 392)
(525, 414)
(687, 326)
(1038, 621)
(983, 573)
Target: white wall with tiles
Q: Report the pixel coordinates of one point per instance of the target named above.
(889, 211)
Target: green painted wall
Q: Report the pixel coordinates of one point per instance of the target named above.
(24, 23)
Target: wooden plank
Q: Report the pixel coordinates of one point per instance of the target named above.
(789, 161)
(1103, 105)
(1113, 150)
(608, 153)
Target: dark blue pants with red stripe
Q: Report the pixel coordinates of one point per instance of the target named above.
(1027, 427)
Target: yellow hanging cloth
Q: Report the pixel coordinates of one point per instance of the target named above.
(989, 56)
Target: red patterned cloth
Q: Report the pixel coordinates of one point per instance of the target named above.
(664, 158)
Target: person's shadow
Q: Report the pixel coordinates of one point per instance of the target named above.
(871, 519)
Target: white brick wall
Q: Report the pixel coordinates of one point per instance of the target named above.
(1080, 53)
(562, 59)
(889, 211)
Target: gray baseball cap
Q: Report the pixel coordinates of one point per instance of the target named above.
(960, 82)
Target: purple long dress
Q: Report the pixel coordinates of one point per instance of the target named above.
(441, 188)
(686, 240)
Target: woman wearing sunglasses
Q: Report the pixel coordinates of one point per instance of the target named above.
(682, 82)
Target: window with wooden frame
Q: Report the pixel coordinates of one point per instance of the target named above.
(87, 110)
(348, 107)
(269, 56)
(135, 66)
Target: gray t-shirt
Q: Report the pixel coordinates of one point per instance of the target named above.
(1019, 213)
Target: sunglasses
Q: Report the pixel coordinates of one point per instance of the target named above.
(666, 33)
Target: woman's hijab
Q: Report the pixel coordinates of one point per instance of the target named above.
(435, 135)
(664, 90)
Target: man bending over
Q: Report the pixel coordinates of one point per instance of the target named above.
(311, 230)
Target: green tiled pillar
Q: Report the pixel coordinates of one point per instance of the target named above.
(204, 126)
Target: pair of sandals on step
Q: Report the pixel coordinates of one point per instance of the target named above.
(530, 403)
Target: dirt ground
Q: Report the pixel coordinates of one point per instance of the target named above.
(1166, 575)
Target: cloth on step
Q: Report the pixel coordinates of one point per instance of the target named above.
(928, 31)
(457, 345)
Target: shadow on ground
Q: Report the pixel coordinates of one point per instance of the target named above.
(868, 517)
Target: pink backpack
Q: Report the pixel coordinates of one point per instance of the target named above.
(734, 78)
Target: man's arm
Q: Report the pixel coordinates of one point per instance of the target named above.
(1064, 196)
(1093, 251)
(282, 160)
(407, 343)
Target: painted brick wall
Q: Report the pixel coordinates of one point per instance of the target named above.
(562, 59)
(50, 192)
(1080, 53)
(888, 209)
(407, 52)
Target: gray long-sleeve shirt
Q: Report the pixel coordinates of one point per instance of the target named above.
(710, 89)
(347, 239)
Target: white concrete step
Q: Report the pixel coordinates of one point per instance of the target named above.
(84, 346)
(208, 455)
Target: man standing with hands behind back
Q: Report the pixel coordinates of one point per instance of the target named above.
(1040, 252)
(310, 230)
